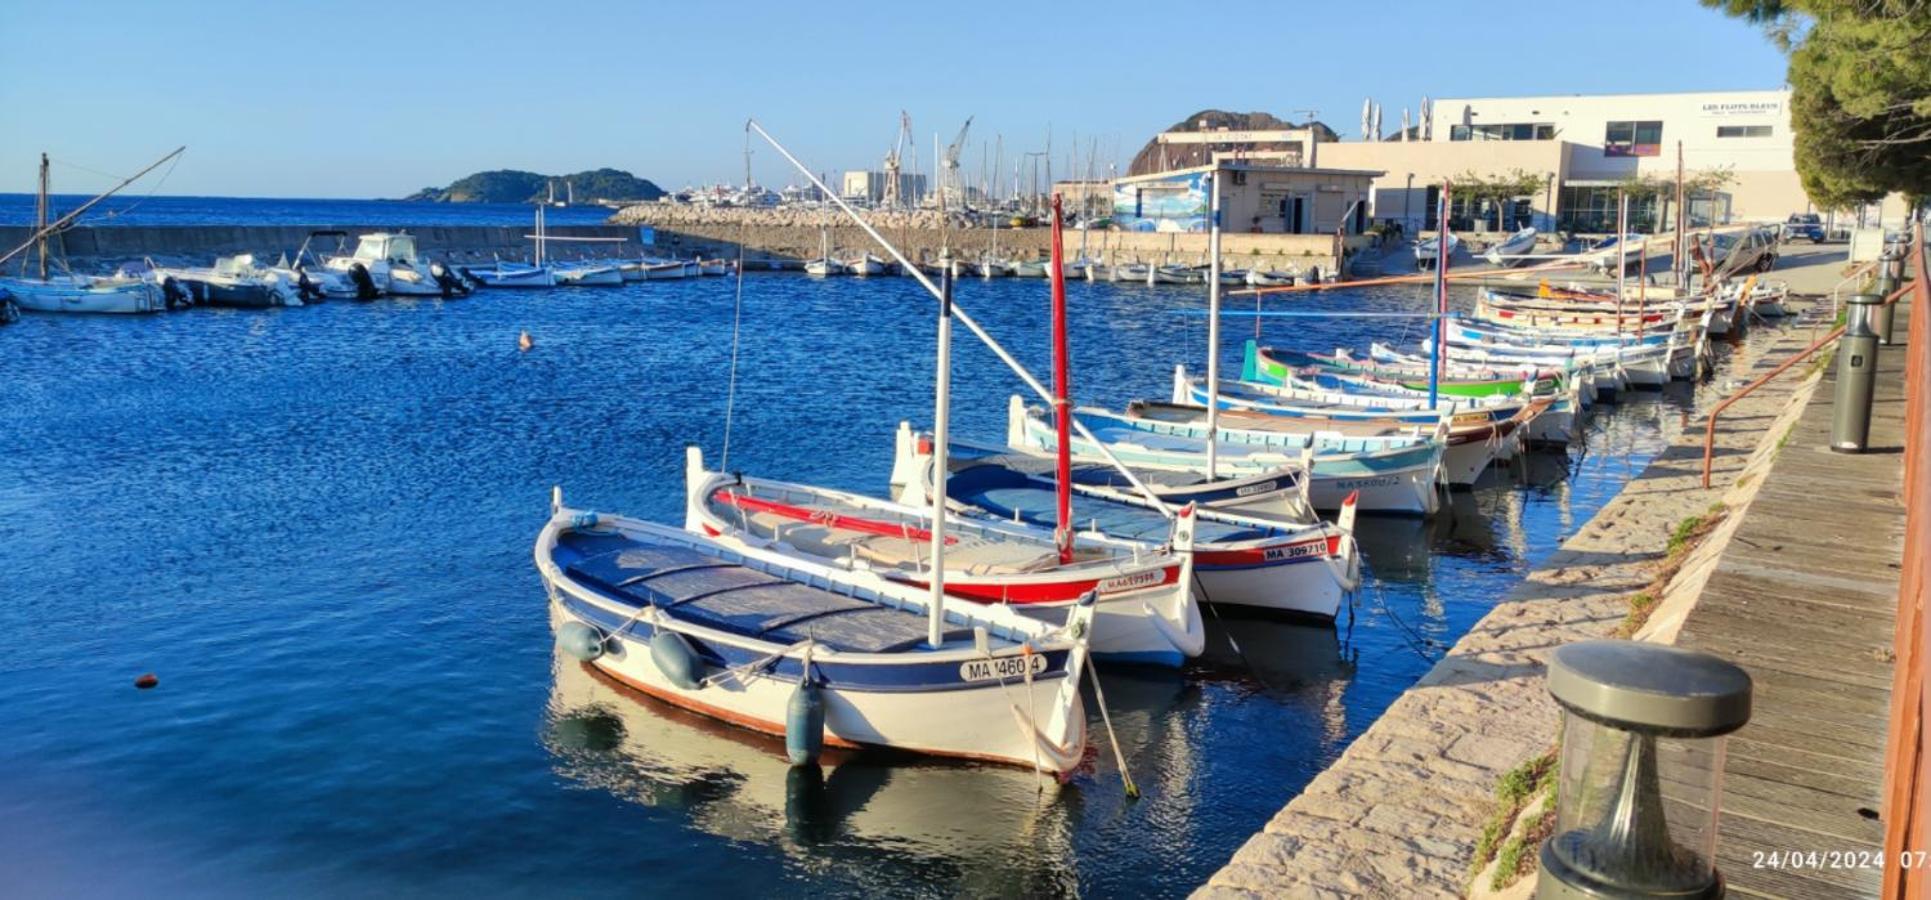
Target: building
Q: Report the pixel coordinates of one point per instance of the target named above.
(869, 187)
(1255, 198)
(1583, 148)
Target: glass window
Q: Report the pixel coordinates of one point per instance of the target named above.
(1743, 131)
(1458, 133)
(1633, 139)
(1511, 131)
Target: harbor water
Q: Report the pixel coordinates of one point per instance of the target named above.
(315, 526)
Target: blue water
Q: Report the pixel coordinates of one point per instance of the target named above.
(315, 526)
(133, 208)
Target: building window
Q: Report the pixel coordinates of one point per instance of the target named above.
(1512, 131)
(1633, 139)
(1742, 131)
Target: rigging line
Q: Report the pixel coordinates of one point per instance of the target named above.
(147, 196)
(79, 167)
(737, 319)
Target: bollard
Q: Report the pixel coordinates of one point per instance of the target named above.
(1635, 716)
(1850, 419)
(1888, 280)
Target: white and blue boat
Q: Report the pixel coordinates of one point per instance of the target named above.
(1308, 570)
(1556, 425)
(1392, 474)
(513, 275)
(787, 647)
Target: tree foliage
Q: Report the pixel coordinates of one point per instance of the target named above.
(1860, 80)
(1500, 188)
(514, 186)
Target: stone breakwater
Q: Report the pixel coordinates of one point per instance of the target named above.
(798, 234)
(109, 246)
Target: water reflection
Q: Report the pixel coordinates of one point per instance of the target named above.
(875, 817)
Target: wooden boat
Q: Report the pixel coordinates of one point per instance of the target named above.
(1145, 611)
(1029, 268)
(1558, 424)
(1135, 273)
(514, 275)
(587, 274)
(1393, 474)
(1172, 275)
(1273, 366)
(778, 645)
(69, 292)
(1473, 442)
(864, 264)
(1272, 277)
(1512, 250)
(1303, 570)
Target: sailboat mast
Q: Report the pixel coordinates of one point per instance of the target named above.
(1213, 325)
(41, 217)
(46, 228)
(1622, 259)
(1062, 405)
(941, 412)
(1435, 348)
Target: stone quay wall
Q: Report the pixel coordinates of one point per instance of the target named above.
(796, 234)
(107, 246)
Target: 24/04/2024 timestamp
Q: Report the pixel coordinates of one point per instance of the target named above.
(1836, 859)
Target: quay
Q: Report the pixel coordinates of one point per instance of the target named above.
(1796, 579)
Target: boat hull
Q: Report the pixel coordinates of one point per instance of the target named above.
(120, 299)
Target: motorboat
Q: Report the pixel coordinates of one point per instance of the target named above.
(390, 262)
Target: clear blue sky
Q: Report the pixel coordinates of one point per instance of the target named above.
(344, 99)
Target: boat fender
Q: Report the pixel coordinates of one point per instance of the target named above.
(580, 640)
(804, 724)
(172, 293)
(364, 285)
(676, 660)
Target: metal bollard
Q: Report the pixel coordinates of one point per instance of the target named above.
(1635, 717)
(1888, 280)
(1850, 420)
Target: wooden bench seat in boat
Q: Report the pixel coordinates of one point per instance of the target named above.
(705, 590)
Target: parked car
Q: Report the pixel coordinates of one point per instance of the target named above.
(1803, 225)
(1738, 252)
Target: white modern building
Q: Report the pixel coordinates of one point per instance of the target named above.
(1581, 147)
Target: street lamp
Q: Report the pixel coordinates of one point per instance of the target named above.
(1407, 200)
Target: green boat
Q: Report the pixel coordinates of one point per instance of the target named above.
(1272, 366)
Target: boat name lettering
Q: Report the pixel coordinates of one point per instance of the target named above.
(1002, 667)
(1129, 582)
(1252, 489)
(1384, 481)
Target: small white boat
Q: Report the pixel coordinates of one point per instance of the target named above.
(664, 270)
(1272, 277)
(1134, 273)
(314, 280)
(389, 260)
(587, 274)
(991, 267)
(1172, 275)
(1512, 250)
(864, 265)
(784, 646)
(1428, 252)
(514, 275)
(84, 294)
(826, 267)
(1030, 268)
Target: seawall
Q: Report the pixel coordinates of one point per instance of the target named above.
(110, 245)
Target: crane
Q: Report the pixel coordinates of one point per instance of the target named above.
(894, 197)
(950, 186)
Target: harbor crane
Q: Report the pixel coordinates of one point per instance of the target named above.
(951, 187)
(894, 197)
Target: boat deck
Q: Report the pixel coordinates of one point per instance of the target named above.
(1805, 599)
(711, 592)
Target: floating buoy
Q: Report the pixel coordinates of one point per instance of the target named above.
(804, 725)
(524, 342)
(675, 658)
(147, 680)
(579, 640)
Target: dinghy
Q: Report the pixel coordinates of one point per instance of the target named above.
(1558, 424)
(514, 275)
(84, 294)
(1428, 252)
(778, 645)
(1272, 277)
(1512, 250)
(1145, 610)
(588, 274)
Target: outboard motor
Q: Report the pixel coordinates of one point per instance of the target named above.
(452, 286)
(1313, 274)
(469, 277)
(174, 295)
(305, 287)
(364, 285)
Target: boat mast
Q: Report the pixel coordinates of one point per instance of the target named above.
(1435, 349)
(1213, 324)
(1622, 259)
(48, 228)
(1062, 405)
(40, 217)
(941, 451)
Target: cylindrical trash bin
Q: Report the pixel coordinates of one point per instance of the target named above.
(1636, 715)
(1850, 420)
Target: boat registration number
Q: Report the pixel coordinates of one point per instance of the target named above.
(1252, 489)
(1295, 551)
(1383, 481)
(1003, 667)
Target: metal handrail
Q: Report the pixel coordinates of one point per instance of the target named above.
(1709, 431)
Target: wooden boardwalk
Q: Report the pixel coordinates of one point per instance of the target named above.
(1805, 598)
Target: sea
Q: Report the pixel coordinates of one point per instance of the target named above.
(314, 526)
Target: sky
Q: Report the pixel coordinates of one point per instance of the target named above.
(301, 99)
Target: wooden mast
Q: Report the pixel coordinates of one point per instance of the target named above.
(1062, 392)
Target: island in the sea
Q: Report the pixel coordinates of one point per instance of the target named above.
(513, 186)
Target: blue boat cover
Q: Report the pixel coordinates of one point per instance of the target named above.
(705, 590)
(1008, 494)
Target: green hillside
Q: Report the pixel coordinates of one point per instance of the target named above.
(513, 186)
